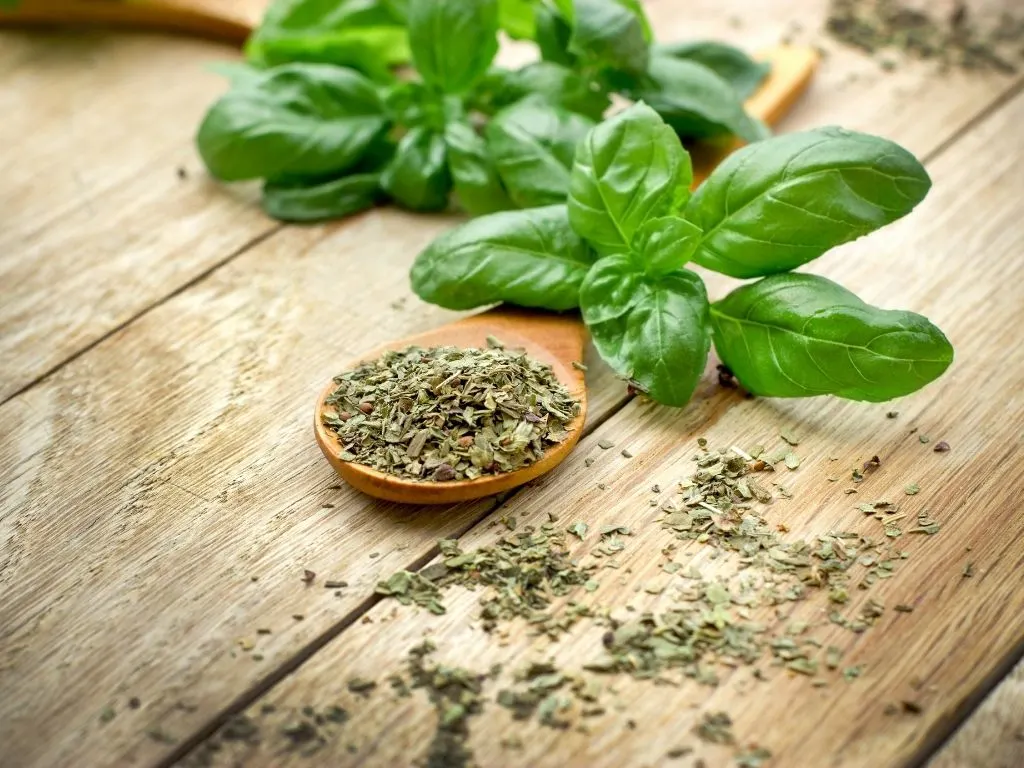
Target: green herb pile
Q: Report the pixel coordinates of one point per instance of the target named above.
(445, 413)
(619, 248)
(321, 116)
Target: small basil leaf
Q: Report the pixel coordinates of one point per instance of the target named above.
(780, 203)
(610, 33)
(516, 18)
(554, 83)
(453, 41)
(628, 169)
(418, 176)
(695, 101)
(333, 199)
(299, 119)
(731, 64)
(553, 34)
(531, 258)
(533, 144)
(666, 244)
(797, 335)
(651, 329)
(473, 171)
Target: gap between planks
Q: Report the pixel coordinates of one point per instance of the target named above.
(935, 738)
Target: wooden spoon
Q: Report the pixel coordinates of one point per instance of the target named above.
(551, 338)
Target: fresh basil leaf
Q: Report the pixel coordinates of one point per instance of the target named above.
(695, 101)
(729, 63)
(780, 203)
(295, 120)
(516, 18)
(410, 103)
(610, 33)
(553, 34)
(531, 258)
(333, 199)
(556, 84)
(453, 41)
(367, 35)
(628, 169)
(418, 176)
(798, 335)
(665, 244)
(533, 144)
(652, 329)
(473, 171)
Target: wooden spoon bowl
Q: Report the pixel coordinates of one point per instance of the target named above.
(553, 339)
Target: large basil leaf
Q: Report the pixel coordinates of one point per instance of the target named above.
(695, 101)
(453, 41)
(664, 245)
(651, 329)
(554, 83)
(797, 335)
(333, 199)
(533, 144)
(628, 169)
(418, 176)
(530, 258)
(731, 64)
(368, 35)
(553, 34)
(780, 203)
(296, 120)
(473, 171)
(610, 33)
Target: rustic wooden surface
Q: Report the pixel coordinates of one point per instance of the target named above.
(167, 458)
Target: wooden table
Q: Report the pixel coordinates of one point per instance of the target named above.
(161, 345)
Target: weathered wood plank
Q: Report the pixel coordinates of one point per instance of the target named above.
(960, 628)
(145, 483)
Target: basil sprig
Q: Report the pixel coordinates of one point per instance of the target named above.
(618, 250)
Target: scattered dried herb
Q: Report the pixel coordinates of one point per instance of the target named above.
(941, 447)
(715, 728)
(444, 413)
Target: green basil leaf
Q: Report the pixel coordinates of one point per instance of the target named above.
(531, 258)
(610, 33)
(516, 18)
(553, 34)
(664, 245)
(731, 64)
(533, 144)
(652, 329)
(798, 335)
(333, 199)
(556, 84)
(473, 171)
(367, 35)
(628, 169)
(453, 41)
(299, 119)
(695, 101)
(418, 176)
(780, 203)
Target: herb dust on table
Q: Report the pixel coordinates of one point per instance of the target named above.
(443, 413)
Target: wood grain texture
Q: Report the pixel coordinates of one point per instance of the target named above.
(146, 482)
(960, 628)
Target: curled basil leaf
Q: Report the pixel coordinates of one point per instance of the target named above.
(780, 203)
(729, 63)
(473, 171)
(531, 258)
(295, 120)
(325, 200)
(453, 41)
(610, 33)
(628, 169)
(695, 101)
(533, 144)
(798, 335)
(418, 176)
(651, 329)
(666, 244)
